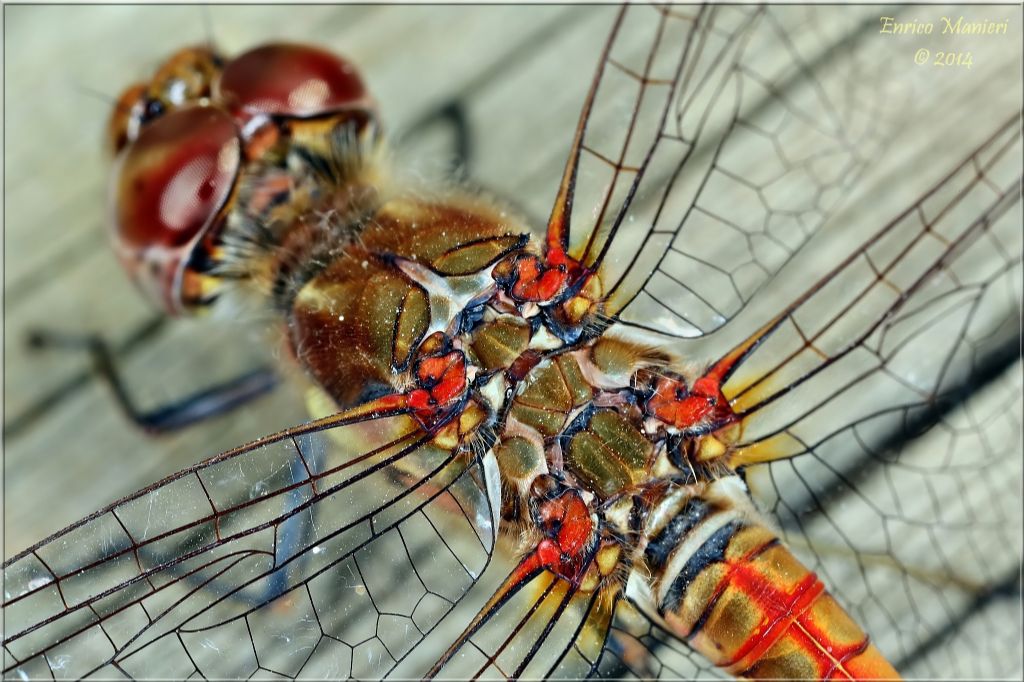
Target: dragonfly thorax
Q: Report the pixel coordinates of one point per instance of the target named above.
(379, 287)
(589, 414)
(415, 267)
(364, 272)
(441, 306)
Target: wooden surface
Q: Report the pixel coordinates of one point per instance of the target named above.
(518, 72)
(59, 271)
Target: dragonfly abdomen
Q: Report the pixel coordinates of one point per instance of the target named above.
(726, 584)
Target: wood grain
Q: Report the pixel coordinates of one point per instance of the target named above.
(518, 73)
(60, 272)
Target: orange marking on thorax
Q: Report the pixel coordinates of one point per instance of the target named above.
(541, 281)
(685, 408)
(570, 531)
(442, 381)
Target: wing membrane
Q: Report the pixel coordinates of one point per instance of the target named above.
(213, 555)
(544, 628)
(636, 87)
(277, 541)
(662, 168)
(903, 309)
(638, 648)
(896, 382)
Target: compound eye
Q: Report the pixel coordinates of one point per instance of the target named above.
(185, 77)
(168, 188)
(123, 125)
(182, 81)
(290, 80)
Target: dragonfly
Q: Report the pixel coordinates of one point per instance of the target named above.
(818, 411)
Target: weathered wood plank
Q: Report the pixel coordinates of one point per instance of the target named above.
(94, 295)
(75, 236)
(520, 73)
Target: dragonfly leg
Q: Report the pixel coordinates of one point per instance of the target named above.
(453, 115)
(203, 404)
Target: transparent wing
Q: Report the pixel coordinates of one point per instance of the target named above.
(544, 628)
(881, 420)
(269, 559)
(638, 648)
(704, 160)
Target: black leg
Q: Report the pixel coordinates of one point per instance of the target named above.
(203, 404)
(451, 114)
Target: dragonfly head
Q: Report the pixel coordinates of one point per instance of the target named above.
(183, 143)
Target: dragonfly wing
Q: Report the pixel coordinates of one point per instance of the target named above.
(538, 628)
(205, 573)
(639, 648)
(902, 319)
(881, 417)
(705, 161)
(626, 107)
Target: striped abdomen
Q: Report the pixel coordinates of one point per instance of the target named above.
(727, 585)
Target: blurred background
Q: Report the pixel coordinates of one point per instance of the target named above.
(514, 76)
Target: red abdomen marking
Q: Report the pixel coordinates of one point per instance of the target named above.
(745, 602)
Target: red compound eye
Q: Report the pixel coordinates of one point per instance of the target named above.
(168, 188)
(290, 80)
